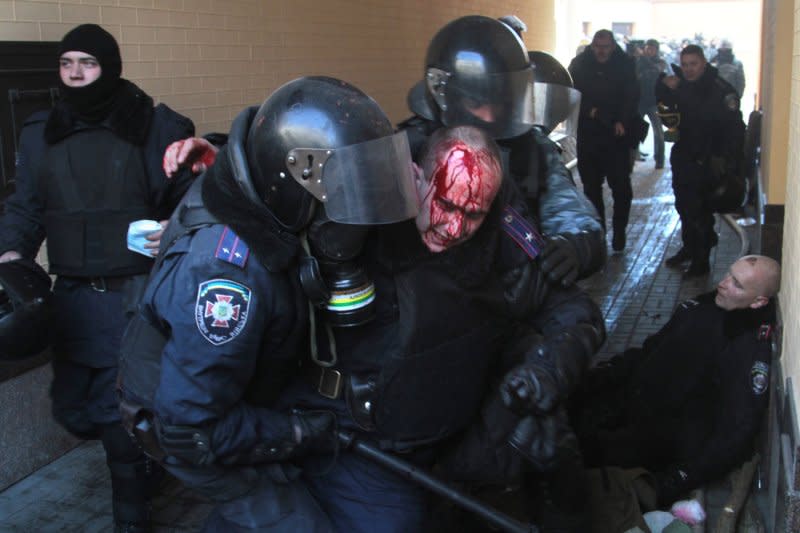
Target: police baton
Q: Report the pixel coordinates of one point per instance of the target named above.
(420, 477)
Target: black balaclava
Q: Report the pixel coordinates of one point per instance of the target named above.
(93, 102)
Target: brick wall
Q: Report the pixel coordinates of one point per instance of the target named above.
(210, 58)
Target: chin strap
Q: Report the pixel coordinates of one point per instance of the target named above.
(318, 295)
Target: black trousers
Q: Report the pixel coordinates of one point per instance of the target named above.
(692, 187)
(607, 163)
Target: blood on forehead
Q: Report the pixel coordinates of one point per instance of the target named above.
(465, 176)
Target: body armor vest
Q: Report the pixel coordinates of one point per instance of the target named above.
(418, 372)
(93, 184)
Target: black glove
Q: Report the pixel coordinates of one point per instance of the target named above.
(552, 368)
(530, 388)
(187, 443)
(670, 485)
(544, 441)
(559, 260)
(314, 431)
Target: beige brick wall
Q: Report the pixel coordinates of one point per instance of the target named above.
(790, 287)
(210, 58)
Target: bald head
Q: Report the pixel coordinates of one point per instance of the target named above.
(751, 282)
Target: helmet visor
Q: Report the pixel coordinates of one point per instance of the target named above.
(501, 104)
(366, 183)
(556, 107)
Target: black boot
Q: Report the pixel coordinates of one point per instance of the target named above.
(618, 241)
(679, 258)
(133, 478)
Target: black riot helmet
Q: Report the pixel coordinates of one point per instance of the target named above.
(319, 139)
(478, 73)
(24, 298)
(555, 100)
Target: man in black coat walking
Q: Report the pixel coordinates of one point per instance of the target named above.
(606, 78)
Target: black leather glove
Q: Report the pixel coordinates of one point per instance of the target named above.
(671, 484)
(530, 388)
(314, 432)
(551, 370)
(544, 440)
(559, 260)
(187, 443)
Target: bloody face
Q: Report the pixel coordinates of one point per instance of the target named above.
(456, 194)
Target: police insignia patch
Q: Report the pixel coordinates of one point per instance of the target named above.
(221, 309)
(760, 377)
(732, 101)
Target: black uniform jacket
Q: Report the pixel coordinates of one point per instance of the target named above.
(710, 118)
(22, 226)
(696, 391)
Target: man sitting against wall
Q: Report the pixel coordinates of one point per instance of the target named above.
(688, 404)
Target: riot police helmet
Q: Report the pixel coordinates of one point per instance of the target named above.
(24, 308)
(478, 73)
(555, 99)
(319, 140)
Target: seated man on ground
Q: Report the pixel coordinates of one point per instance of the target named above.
(688, 404)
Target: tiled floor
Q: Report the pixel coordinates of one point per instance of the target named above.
(637, 295)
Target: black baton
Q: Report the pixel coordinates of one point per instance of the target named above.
(426, 480)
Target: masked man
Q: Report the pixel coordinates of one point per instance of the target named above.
(86, 169)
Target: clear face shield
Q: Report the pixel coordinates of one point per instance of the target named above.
(501, 104)
(367, 183)
(556, 107)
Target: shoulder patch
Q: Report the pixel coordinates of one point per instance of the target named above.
(522, 231)
(231, 248)
(689, 304)
(221, 310)
(759, 375)
(732, 101)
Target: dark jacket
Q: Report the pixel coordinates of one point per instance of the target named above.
(695, 393)
(613, 90)
(710, 118)
(22, 227)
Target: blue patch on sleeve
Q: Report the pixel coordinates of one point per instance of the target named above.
(522, 231)
(231, 248)
(221, 310)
